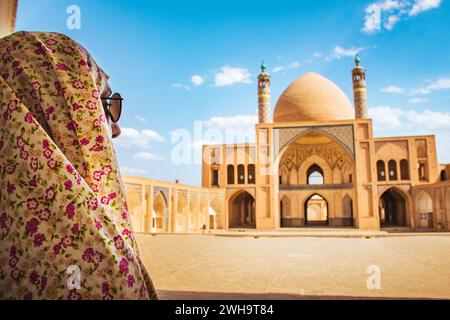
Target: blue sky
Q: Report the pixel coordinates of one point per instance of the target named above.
(178, 62)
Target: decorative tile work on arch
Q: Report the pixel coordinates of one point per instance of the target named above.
(342, 133)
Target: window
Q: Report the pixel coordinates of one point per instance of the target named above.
(381, 170)
(230, 174)
(251, 173)
(241, 174)
(392, 165)
(404, 170)
(315, 175)
(422, 171)
(443, 175)
(215, 178)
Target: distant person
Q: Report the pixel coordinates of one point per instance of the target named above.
(64, 226)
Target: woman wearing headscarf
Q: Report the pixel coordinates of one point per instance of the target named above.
(64, 226)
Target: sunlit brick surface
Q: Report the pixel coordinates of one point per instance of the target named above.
(236, 267)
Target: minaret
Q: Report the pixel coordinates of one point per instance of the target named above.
(264, 95)
(359, 90)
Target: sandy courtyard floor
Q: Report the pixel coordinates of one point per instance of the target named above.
(209, 267)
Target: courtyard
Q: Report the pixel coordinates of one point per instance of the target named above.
(219, 267)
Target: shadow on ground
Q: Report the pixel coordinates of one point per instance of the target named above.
(192, 295)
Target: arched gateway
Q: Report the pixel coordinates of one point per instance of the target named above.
(392, 208)
(242, 211)
(315, 177)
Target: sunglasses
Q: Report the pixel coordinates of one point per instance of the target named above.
(113, 106)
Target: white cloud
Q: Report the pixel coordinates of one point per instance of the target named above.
(277, 69)
(393, 89)
(293, 65)
(390, 121)
(391, 22)
(234, 122)
(231, 75)
(440, 84)
(418, 100)
(215, 130)
(197, 80)
(424, 5)
(147, 156)
(132, 171)
(387, 13)
(340, 52)
(385, 117)
(395, 118)
(417, 91)
(131, 137)
(443, 83)
(140, 118)
(317, 55)
(181, 86)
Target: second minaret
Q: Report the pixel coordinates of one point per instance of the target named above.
(359, 90)
(264, 95)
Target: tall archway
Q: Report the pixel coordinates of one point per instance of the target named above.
(285, 211)
(316, 211)
(242, 211)
(347, 211)
(159, 212)
(392, 208)
(424, 205)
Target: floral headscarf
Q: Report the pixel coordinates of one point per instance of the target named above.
(62, 202)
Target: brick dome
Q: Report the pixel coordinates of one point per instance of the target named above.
(313, 97)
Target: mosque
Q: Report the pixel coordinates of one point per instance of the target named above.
(317, 164)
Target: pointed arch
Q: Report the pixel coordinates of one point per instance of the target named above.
(381, 170)
(393, 208)
(316, 210)
(392, 169)
(242, 210)
(315, 175)
(424, 210)
(159, 212)
(347, 210)
(317, 129)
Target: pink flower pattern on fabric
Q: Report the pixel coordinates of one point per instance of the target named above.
(65, 202)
